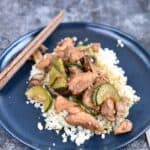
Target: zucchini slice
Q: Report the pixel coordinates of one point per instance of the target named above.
(40, 95)
(74, 64)
(59, 65)
(60, 83)
(53, 75)
(104, 92)
(86, 47)
(87, 109)
(83, 106)
(57, 79)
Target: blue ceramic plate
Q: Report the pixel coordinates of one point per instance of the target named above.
(20, 119)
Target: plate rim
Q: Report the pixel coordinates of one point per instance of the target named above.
(93, 25)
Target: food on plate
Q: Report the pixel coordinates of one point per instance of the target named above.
(81, 90)
(40, 95)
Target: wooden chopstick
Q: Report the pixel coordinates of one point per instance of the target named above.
(20, 60)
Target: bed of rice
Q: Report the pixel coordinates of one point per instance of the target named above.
(108, 63)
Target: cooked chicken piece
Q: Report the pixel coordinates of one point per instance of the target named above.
(37, 79)
(76, 115)
(125, 127)
(64, 54)
(108, 109)
(61, 54)
(39, 76)
(67, 42)
(34, 82)
(62, 104)
(74, 110)
(120, 109)
(45, 62)
(101, 79)
(87, 98)
(37, 56)
(85, 120)
(81, 82)
(69, 53)
(96, 47)
(74, 70)
(75, 54)
(64, 48)
(88, 101)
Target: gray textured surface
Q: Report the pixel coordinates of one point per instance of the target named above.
(20, 16)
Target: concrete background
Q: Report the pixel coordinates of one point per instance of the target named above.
(21, 16)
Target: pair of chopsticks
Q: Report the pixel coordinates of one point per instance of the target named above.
(29, 50)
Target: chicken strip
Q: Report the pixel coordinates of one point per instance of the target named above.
(120, 109)
(76, 115)
(108, 109)
(101, 79)
(35, 82)
(125, 127)
(81, 82)
(64, 54)
(85, 120)
(64, 44)
(71, 54)
(74, 110)
(75, 54)
(62, 104)
(45, 61)
(74, 70)
(37, 79)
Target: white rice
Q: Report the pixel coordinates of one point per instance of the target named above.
(40, 126)
(108, 64)
(35, 71)
(75, 39)
(120, 43)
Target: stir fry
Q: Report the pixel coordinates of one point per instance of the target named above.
(71, 80)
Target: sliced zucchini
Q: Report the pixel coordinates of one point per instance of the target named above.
(60, 83)
(73, 64)
(59, 65)
(87, 109)
(86, 47)
(83, 47)
(56, 79)
(83, 106)
(53, 75)
(94, 96)
(104, 92)
(40, 95)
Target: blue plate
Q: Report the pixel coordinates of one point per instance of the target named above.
(20, 119)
